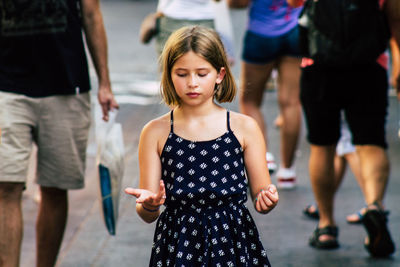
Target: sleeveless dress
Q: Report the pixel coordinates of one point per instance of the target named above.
(205, 221)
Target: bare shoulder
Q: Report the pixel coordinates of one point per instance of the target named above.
(241, 122)
(243, 126)
(158, 127)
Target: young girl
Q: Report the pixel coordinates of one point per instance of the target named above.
(198, 161)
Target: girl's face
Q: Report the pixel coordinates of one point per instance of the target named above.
(194, 79)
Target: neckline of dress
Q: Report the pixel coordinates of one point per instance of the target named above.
(203, 141)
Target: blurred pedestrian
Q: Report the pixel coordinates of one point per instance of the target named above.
(194, 158)
(394, 65)
(344, 72)
(345, 156)
(180, 13)
(271, 42)
(44, 99)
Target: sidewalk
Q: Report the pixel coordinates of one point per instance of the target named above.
(284, 232)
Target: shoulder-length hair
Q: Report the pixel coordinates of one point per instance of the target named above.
(204, 42)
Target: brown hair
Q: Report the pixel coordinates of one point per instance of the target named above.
(206, 43)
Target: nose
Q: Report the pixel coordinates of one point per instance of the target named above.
(193, 82)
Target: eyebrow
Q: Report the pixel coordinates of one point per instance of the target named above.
(196, 69)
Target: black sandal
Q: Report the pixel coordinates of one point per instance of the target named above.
(380, 243)
(311, 214)
(328, 244)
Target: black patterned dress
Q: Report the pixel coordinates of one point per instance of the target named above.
(205, 222)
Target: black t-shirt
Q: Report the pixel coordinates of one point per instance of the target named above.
(41, 48)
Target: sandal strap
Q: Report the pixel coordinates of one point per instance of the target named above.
(327, 230)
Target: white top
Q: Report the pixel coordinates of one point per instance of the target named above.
(187, 9)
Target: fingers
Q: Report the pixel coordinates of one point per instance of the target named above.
(114, 104)
(133, 191)
(159, 198)
(267, 199)
(105, 107)
(107, 101)
(148, 197)
(140, 194)
(161, 190)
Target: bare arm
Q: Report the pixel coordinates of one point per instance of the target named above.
(393, 13)
(96, 39)
(295, 3)
(151, 192)
(395, 73)
(238, 3)
(264, 194)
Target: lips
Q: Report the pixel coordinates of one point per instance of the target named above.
(193, 94)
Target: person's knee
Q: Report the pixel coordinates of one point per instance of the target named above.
(10, 191)
(53, 193)
(291, 101)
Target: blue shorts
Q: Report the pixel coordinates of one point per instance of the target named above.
(261, 49)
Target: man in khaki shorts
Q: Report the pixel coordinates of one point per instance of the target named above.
(44, 99)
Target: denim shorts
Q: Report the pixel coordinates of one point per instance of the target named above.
(261, 49)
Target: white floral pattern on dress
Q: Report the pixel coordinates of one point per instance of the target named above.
(205, 222)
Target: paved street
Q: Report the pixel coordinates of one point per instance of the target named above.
(284, 232)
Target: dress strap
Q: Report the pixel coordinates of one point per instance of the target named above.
(172, 121)
(227, 121)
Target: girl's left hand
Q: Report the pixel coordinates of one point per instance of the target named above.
(267, 199)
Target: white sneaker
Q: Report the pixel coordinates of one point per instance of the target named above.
(271, 164)
(286, 178)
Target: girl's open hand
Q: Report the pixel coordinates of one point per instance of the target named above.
(267, 199)
(150, 199)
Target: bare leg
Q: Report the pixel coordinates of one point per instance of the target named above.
(252, 84)
(50, 225)
(340, 167)
(341, 163)
(354, 162)
(11, 223)
(323, 183)
(374, 165)
(290, 108)
(375, 172)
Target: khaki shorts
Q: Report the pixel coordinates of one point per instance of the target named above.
(59, 125)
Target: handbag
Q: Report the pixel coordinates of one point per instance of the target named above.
(149, 27)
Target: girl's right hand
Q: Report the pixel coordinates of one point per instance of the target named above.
(148, 198)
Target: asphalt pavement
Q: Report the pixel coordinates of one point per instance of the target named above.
(284, 232)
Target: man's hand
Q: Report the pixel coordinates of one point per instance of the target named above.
(107, 101)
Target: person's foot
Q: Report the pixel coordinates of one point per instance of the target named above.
(356, 218)
(311, 211)
(378, 242)
(278, 122)
(271, 164)
(286, 178)
(325, 238)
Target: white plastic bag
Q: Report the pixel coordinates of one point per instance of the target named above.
(110, 166)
